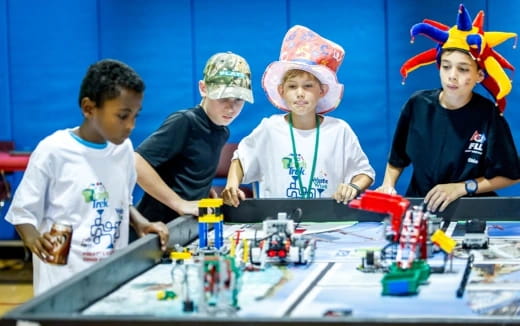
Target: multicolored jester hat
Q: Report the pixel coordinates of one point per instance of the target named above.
(468, 36)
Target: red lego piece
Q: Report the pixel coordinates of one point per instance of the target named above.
(393, 205)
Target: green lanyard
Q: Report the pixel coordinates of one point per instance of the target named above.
(305, 194)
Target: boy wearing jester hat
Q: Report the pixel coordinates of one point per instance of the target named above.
(302, 153)
(457, 141)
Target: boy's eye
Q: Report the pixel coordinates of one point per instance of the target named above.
(122, 116)
(463, 69)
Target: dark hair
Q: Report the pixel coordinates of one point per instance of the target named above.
(451, 50)
(105, 79)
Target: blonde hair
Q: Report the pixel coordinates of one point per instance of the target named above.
(297, 72)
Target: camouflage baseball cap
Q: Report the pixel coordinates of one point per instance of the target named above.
(228, 75)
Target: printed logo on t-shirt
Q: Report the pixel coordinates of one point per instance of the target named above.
(96, 194)
(106, 228)
(476, 146)
(319, 183)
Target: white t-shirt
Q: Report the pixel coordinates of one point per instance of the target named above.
(88, 186)
(267, 156)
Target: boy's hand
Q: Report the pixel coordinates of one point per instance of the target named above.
(41, 246)
(187, 207)
(345, 193)
(232, 196)
(386, 189)
(155, 227)
(213, 193)
(440, 196)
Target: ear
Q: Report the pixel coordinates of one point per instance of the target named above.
(280, 90)
(87, 107)
(324, 89)
(481, 75)
(202, 88)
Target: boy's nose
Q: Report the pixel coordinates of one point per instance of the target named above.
(230, 105)
(231, 109)
(130, 125)
(452, 75)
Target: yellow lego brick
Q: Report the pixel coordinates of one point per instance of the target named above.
(211, 202)
(165, 295)
(178, 255)
(232, 247)
(211, 218)
(443, 241)
(245, 258)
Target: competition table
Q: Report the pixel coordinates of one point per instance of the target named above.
(11, 162)
(73, 302)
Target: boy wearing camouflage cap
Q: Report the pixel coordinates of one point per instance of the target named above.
(176, 164)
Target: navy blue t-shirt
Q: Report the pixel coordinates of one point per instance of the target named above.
(446, 146)
(185, 151)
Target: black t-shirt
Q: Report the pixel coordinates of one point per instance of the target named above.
(447, 146)
(185, 151)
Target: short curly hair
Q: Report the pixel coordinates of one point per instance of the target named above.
(105, 79)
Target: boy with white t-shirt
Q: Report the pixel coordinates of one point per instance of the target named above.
(302, 154)
(84, 177)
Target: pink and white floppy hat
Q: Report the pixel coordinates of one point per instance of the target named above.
(303, 49)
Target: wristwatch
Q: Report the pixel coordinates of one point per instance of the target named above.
(471, 186)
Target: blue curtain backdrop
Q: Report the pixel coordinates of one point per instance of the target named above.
(46, 47)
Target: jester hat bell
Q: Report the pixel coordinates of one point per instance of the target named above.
(468, 36)
(305, 50)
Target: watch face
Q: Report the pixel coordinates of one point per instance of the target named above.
(471, 186)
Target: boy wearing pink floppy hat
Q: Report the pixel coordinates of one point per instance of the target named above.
(301, 153)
